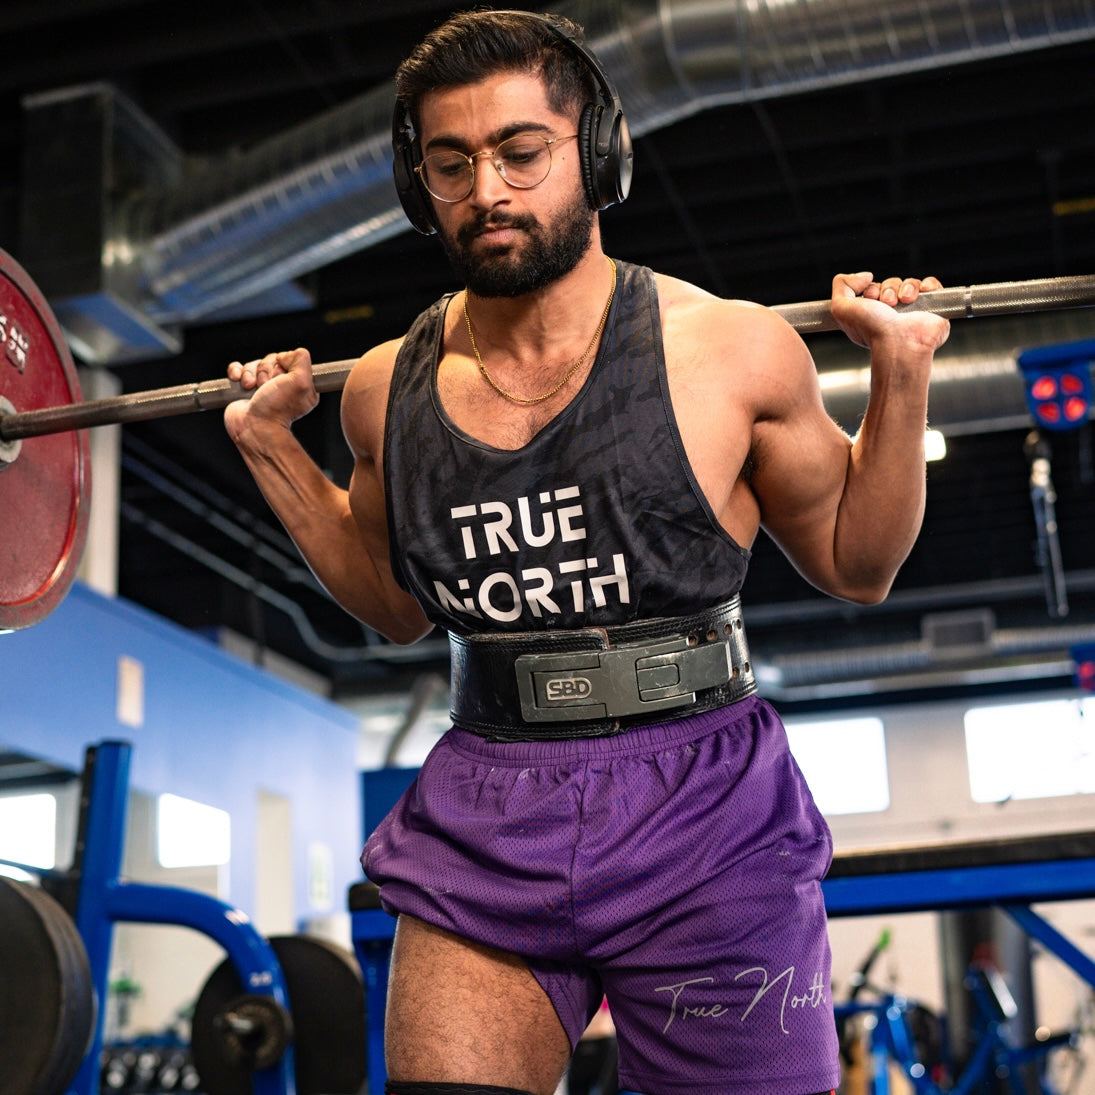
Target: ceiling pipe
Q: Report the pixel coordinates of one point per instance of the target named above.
(1002, 649)
(234, 230)
(1007, 656)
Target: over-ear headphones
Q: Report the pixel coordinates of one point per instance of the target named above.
(604, 143)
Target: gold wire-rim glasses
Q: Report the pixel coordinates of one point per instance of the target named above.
(509, 165)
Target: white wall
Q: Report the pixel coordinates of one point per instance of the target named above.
(168, 964)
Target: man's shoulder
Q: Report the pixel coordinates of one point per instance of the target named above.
(686, 308)
(372, 372)
(381, 356)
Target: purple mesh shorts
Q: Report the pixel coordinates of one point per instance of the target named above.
(674, 868)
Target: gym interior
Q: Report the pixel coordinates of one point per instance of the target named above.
(197, 740)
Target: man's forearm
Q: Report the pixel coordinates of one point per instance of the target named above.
(883, 503)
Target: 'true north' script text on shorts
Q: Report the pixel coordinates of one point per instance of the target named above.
(675, 868)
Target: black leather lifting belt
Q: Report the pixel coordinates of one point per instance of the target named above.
(533, 685)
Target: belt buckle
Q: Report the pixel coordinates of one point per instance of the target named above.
(631, 679)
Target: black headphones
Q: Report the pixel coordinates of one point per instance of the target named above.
(604, 144)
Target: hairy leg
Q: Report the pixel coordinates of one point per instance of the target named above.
(460, 1012)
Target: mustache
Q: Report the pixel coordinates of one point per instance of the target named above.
(483, 221)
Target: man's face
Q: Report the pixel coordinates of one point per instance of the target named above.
(505, 241)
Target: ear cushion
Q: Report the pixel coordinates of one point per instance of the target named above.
(416, 204)
(587, 151)
(412, 195)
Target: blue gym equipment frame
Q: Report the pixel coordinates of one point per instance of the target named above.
(102, 898)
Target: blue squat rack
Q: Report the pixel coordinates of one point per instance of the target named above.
(103, 898)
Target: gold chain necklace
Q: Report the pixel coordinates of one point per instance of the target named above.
(570, 372)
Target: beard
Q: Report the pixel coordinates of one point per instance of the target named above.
(551, 251)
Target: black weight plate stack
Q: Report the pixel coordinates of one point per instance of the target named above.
(327, 1006)
(47, 1000)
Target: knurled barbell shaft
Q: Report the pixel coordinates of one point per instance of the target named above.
(965, 301)
(811, 317)
(206, 395)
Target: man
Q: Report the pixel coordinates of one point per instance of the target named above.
(564, 465)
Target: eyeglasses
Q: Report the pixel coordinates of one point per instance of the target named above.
(523, 161)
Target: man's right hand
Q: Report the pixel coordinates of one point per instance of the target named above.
(282, 388)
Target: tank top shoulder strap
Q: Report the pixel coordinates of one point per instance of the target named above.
(411, 387)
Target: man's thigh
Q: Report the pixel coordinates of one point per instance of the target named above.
(461, 1012)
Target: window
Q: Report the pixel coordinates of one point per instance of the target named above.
(844, 762)
(28, 829)
(1031, 750)
(191, 834)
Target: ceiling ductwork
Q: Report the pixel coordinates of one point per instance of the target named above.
(163, 242)
(976, 386)
(1003, 656)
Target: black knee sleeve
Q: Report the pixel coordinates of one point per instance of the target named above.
(409, 1087)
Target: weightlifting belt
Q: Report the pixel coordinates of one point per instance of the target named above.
(589, 682)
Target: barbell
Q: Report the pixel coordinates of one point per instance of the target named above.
(45, 475)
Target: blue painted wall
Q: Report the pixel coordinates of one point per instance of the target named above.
(214, 729)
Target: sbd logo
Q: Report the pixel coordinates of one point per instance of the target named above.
(568, 688)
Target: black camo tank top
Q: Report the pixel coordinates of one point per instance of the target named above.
(596, 521)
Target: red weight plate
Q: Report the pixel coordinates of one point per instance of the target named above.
(44, 490)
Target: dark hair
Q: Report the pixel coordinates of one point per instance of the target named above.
(473, 45)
